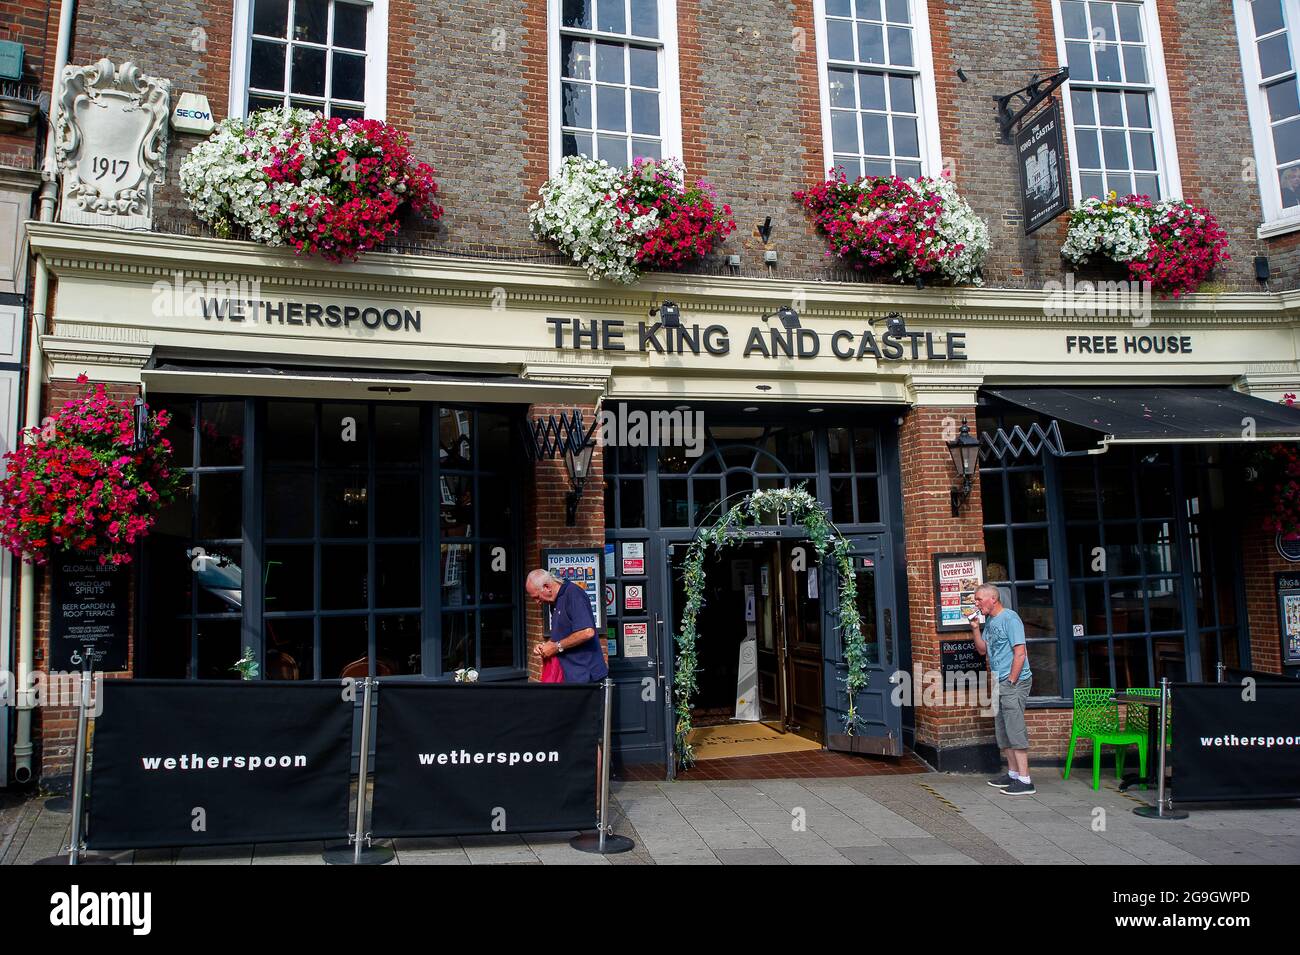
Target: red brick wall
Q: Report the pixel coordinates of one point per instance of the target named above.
(1259, 553)
(544, 521)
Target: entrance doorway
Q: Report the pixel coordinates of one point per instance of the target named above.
(759, 650)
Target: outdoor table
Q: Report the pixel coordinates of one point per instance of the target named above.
(1153, 739)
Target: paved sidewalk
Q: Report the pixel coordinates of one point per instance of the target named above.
(926, 819)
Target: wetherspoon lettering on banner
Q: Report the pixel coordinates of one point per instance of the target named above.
(254, 311)
(613, 334)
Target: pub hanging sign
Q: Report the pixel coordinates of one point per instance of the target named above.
(1042, 167)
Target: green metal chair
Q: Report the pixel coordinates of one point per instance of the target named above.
(1096, 717)
(1137, 716)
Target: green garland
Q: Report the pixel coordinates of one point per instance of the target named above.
(734, 527)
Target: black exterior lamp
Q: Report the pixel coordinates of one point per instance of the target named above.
(670, 313)
(965, 451)
(789, 317)
(140, 419)
(895, 324)
(578, 464)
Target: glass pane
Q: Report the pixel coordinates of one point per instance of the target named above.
(1074, 19)
(896, 11)
(496, 520)
(1289, 179)
(1088, 608)
(868, 9)
(1131, 669)
(496, 638)
(631, 503)
(218, 649)
(495, 580)
(1082, 104)
(1043, 663)
(1091, 186)
(900, 46)
(290, 505)
(991, 497)
(609, 62)
(839, 39)
(457, 574)
(1078, 57)
(457, 641)
(291, 438)
(1286, 141)
(851, 165)
(290, 648)
(643, 66)
(646, 149)
(866, 605)
(1102, 17)
(840, 83)
(343, 577)
(575, 58)
(397, 573)
(871, 89)
(1037, 610)
(871, 43)
(455, 439)
(179, 432)
(864, 450)
(1110, 107)
(1089, 151)
(350, 26)
(998, 555)
(344, 506)
(875, 134)
(397, 505)
(1031, 557)
(308, 74)
(1282, 101)
(902, 94)
(576, 13)
(221, 433)
(611, 108)
(397, 645)
(612, 149)
(645, 112)
(842, 500)
(1115, 149)
(266, 67)
(349, 80)
(1092, 663)
(1147, 186)
(221, 501)
(645, 18)
(290, 577)
(1156, 492)
(1028, 497)
(1139, 111)
(1135, 64)
(611, 16)
(906, 142)
(844, 131)
(1130, 22)
(397, 434)
(576, 98)
(1144, 150)
(839, 8)
(1274, 56)
(672, 503)
(1160, 549)
(1166, 606)
(310, 18)
(868, 501)
(457, 505)
(840, 445)
(1267, 14)
(271, 17)
(344, 647)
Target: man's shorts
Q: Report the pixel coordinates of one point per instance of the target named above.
(1009, 721)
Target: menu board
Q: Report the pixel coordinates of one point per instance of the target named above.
(960, 656)
(1288, 609)
(955, 578)
(90, 617)
(581, 567)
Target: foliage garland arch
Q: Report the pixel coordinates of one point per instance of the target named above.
(733, 527)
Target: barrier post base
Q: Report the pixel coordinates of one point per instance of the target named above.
(61, 804)
(590, 842)
(346, 854)
(1153, 812)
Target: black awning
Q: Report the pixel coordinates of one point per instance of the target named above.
(1155, 415)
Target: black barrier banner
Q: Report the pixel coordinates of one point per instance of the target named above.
(459, 759)
(199, 763)
(1235, 741)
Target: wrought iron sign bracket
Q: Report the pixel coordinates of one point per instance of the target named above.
(554, 435)
(1025, 100)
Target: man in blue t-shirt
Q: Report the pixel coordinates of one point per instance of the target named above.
(573, 628)
(1003, 642)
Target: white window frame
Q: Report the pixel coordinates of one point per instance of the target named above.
(670, 80)
(241, 45)
(1163, 126)
(928, 107)
(1276, 220)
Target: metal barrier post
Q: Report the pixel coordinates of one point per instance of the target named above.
(75, 849)
(1163, 809)
(604, 841)
(1220, 670)
(360, 850)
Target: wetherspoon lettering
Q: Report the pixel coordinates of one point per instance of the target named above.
(310, 313)
(767, 342)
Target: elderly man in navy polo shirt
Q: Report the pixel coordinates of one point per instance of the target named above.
(573, 628)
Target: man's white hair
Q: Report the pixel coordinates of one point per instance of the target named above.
(989, 589)
(539, 577)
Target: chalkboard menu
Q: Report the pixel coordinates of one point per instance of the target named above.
(90, 620)
(959, 656)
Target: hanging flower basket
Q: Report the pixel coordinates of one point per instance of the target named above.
(80, 485)
(1171, 244)
(904, 229)
(330, 187)
(617, 223)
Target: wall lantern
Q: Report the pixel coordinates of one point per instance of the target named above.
(965, 451)
(578, 464)
(670, 313)
(789, 317)
(141, 420)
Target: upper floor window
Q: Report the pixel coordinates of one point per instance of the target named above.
(1267, 33)
(1117, 107)
(323, 55)
(614, 77)
(877, 87)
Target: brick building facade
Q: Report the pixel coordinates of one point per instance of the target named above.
(744, 96)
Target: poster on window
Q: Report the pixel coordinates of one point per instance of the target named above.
(1288, 607)
(1042, 167)
(955, 578)
(581, 567)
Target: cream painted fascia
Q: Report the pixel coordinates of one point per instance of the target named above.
(943, 390)
(66, 358)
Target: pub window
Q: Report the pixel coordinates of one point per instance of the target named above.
(1266, 32)
(1117, 99)
(328, 56)
(625, 486)
(854, 474)
(614, 80)
(1017, 539)
(194, 555)
(877, 87)
(1213, 535)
